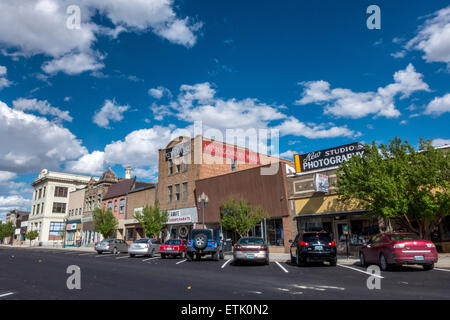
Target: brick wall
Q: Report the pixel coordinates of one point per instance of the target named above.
(140, 199)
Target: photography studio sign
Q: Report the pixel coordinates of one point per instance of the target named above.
(327, 158)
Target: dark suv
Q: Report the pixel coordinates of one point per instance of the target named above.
(204, 242)
(313, 246)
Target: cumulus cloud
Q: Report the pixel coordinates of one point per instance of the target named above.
(438, 105)
(40, 27)
(109, 112)
(90, 163)
(440, 142)
(346, 103)
(6, 175)
(293, 126)
(159, 92)
(433, 38)
(4, 82)
(34, 142)
(42, 107)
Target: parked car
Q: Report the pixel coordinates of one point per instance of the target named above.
(111, 245)
(394, 249)
(204, 242)
(145, 247)
(313, 246)
(174, 248)
(251, 249)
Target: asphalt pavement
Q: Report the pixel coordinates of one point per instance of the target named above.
(42, 274)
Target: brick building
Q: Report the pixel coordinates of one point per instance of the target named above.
(185, 160)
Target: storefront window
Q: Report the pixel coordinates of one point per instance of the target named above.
(275, 232)
(130, 234)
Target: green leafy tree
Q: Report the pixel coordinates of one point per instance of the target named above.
(399, 184)
(152, 219)
(31, 235)
(6, 230)
(239, 216)
(104, 222)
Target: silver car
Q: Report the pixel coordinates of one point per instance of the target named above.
(111, 245)
(145, 246)
(251, 249)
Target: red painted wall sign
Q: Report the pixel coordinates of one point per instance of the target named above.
(221, 150)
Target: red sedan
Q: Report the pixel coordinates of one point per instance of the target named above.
(173, 247)
(394, 249)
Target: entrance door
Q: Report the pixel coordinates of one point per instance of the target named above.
(341, 236)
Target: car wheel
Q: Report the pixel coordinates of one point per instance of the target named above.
(383, 263)
(99, 252)
(183, 255)
(163, 256)
(115, 251)
(200, 241)
(132, 255)
(333, 263)
(292, 259)
(189, 257)
(198, 257)
(215, 256)
(428, 266)
(267, 262)
(299, 261)
(221, 255)
(362, 260)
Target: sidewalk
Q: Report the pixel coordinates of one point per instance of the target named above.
(59, 247)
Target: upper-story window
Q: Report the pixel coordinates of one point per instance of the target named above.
(40, 193)
(177, 192)
(59, 207)
(115, 205)
(170, 194)
(61, 192)
(178, 168)
(109, 205)
(170, 167)
(44, 192)
(185, 191)
(122, 205)
(233, 165)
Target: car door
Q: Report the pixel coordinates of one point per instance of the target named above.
(294, 246)
(123, 246)
(370, 250)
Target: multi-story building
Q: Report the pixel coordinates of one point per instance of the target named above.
(185, 160)
(73, 218)
(49, 205)
(21, 226)
(93, 198)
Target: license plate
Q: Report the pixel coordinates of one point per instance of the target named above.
(250, 256)
(318, 248)
(169, 249)
(418, 257)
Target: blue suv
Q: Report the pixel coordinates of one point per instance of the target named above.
(204, 242)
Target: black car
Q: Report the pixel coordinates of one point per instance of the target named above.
(204, 242)
(313, 246)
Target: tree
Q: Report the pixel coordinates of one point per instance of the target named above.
(104, 222)
(238, 215)
(398, 183)
(31, 235)
(152, 219)
(6, 230)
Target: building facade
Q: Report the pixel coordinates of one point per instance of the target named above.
(49, 205)
(185, 160)
(73, 219)
(93, 197)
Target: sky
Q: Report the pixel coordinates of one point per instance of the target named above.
(91, 84)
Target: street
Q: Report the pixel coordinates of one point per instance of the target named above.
(41, 274)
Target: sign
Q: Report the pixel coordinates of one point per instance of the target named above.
(321, 182)
(24, 224)
(17, 231)
(178, 150)
(71, 226)
(345, 229)
(221, 150)
(329, 157)
(182, 216)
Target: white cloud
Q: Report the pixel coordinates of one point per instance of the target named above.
(438, 105)
(6, 175)
(440, 142)
(288, 154)
(399, 54)
(110, 112)
(293, 126)
(33, 142)
(42, 107)
(9, 203)
(39, 27)
(159, 92)
(4, 82)
(433, 38)
(346, 103)
(90, 163)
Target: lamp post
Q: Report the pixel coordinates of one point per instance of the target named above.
(203, 200)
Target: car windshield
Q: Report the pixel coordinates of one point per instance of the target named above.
(251, 241)
(403, 236)
(143, 240)
(176, 242)
(108, 241)
(316, 237)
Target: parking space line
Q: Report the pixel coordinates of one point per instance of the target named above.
(105, 255)
(223, 266)
(150, 259)
(442, 269)
(181, 261)
(359, 270)
(282, 268)
(85, 254)
(124, 257)
(6, 294)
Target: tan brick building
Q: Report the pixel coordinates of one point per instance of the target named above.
(186, 160)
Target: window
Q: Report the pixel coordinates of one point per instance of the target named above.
(40, 192)
(170, 167)
(59, 207)
(185, 191)
(38, 207)
(178, 168)
(55, 229)
(44, 192)
(115, 205)
(130, 234)
(275, 232)
(42, 208)
(122, 205)
(79, 211)
(109, 205)
(233, 165)
(33, 209)
(170, 194)
(61, 192)
(76, 211)
(177, 192)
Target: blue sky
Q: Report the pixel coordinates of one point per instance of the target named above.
(136, 72)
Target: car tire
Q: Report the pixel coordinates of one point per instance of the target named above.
(183, 255)
(200, 241)
(132, 255)
(428, 266)
(299, 261)
(163, 256)
(333, 263)
(292, 259)
(362, 260)
(99, 252)
(267, 262)
(215, 256)
(189, 257)
(152, 254)
(383, 263)
(114, 251)
(221, 255)
(198, 256)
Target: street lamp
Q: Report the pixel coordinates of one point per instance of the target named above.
(203, 199)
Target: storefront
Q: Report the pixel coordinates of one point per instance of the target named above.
(180, 222)
(73, 233)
